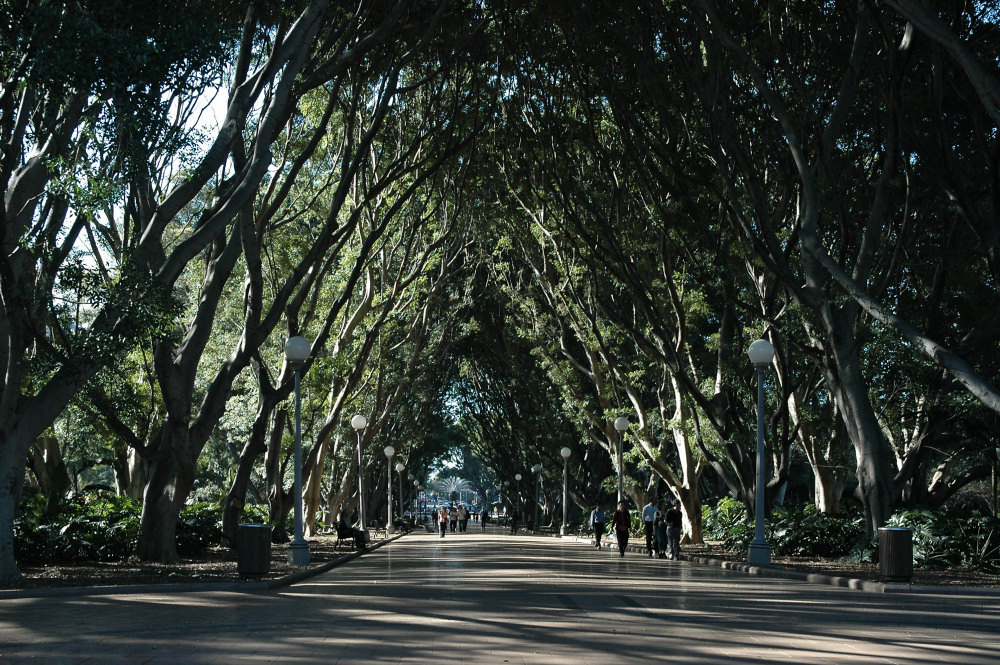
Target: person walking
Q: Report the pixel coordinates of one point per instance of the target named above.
(453, 517)
(648, 517)
(443, 520)
(484, 517)
(621, 522)
(463, 518)
(597, 522)
(660, 530)
(514, 518)
(674, 519)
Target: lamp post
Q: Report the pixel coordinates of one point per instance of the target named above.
(389, 452)
(537, 470)
(761, 353)
(399, 475)
(506, 491)
(416, 492)
(296, 353)
(565, 452)
(520, 504)
(621, 424)
(359, 423)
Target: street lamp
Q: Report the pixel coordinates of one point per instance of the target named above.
(520, 504)
(621, 424)
(359, 423)
(296, 353)
(538, 483)
(399, 474)
(416, 492)
(565, 452)
(761, 353)
(389, 452)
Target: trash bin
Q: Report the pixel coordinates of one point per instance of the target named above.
(895, 554)
(253, 544)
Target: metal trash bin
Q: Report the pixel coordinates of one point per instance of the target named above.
(253, 544)
(895, 554)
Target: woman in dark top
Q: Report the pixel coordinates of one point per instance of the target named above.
(621, 522)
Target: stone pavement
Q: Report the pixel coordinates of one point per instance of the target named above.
(494, 598)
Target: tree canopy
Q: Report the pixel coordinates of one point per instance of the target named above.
(501, 226)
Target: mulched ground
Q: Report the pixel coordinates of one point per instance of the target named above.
(220, 565)
(861, 571)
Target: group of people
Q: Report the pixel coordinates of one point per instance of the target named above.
(456, 518)
(662, 527)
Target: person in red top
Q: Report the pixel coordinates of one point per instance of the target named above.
(621, 522)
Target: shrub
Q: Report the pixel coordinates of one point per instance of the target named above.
(198, 526)
(729, 523)
(96, 527)
(795, 530)
(801, 530)
(943, 540)
(103, 527)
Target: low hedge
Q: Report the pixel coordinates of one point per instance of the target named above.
(940, 539)
(105, 527)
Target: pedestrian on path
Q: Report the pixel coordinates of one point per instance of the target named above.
(674, 519)
(621, 522)
(648, 517)
(514, 519)
(597, 522)
(483, 519)
(660, 530)
(453, 517)
(443, 521)
(463, 518)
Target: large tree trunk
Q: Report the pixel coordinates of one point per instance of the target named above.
(848, 388)
(825, 447)
(312, 495)
(278, 501)
(235, 500)
(49, 469)
(171, 477)
(11, 483)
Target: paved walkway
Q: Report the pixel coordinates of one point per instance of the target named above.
(475, 598)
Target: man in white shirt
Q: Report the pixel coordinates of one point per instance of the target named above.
(597, 524)
(648, 517)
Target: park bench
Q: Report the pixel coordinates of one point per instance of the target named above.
(345, 537)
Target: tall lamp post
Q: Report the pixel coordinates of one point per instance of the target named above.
(416, 492)
(520, 503)
(761, 353)
(296, 353)
(359, 423)
(399, 476)
(506, 491)
(621, 424)
(409, 479)
(389, 452)
(565, 452)
(537, 470)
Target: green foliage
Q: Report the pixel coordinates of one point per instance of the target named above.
(790, 530)
(198, 526)
(941, 540)
(803, 531)
(103, 527)
(92, 527)
(728, 522)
